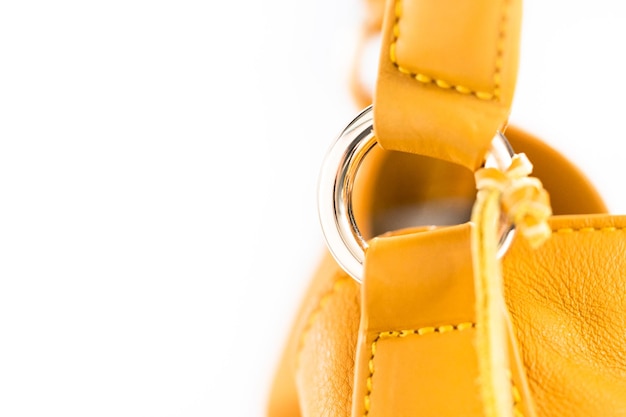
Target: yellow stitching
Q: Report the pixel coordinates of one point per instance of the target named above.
(516, 396)
(316, 312)
(566, 230)
(497, 75)
(403, 333)
(425, 79)
(517, 400)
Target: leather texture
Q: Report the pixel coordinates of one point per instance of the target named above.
(446, 77)
(566, 302)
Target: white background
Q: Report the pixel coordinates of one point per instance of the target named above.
(158, 162)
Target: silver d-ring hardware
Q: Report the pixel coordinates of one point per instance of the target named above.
(336, 181)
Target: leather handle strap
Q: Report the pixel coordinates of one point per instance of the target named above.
(418, 353)
(446, 76)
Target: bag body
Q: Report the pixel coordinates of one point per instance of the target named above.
(424, 334)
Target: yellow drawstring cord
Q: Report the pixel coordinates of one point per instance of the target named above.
(525, 204)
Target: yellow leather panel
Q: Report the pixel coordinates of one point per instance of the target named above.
(457, 57)
(321, 365)
(446, 103)
(567, 300)
(329, 310)
(407, 286)
(418, 342)
(409, 290)
(410, 380)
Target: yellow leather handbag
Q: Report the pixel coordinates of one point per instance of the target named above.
(437, 299)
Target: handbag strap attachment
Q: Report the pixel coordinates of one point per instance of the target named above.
(435, 336)
(446, 77)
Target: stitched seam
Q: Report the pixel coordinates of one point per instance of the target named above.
(565, 230)
(502, 31)
(403, 333)
(517, 400)
(315, 314)
(443, 84)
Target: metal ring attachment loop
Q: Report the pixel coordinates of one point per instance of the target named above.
(336, 181)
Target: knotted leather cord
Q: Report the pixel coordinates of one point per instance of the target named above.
(523, 202)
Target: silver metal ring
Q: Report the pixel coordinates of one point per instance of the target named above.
(343, 238)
